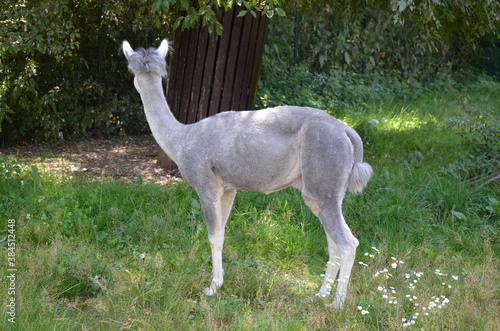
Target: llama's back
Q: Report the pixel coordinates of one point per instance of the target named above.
(251, 150)
(261, 150)
(287, 120)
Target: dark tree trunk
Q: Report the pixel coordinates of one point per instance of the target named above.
(209, 74)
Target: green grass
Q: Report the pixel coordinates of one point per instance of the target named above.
(111, 256)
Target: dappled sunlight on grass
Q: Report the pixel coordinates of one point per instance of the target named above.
(397, 119)
(401, 123)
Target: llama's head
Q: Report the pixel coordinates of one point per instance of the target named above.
(151, 60)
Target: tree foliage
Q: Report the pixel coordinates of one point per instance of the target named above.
(416, 39)
(61, 73)
(60, 70)
(189, 12)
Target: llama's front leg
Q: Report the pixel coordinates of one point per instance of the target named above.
(213, 219)
(216, 213)
(216, 243)
(332, 268)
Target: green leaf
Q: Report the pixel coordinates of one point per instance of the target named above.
(280, 12)
(219, 28)
(178, 22)
(242, 13)
(87, 122)
(185, 4)
(156, 6)
(402, 5)
(166, 4)
(322, 60)
(347, 58)
(16, 93)
(459, 215)
(189, 21)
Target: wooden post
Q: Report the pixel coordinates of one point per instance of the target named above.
(209, 74)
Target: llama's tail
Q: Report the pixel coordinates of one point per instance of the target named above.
(361, 171)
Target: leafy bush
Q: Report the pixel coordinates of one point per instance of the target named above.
(335, 90)
(352, 53)
(414, 39)
(61, 74)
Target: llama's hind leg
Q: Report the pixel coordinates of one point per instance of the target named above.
(347, 256)
(216, 210)
(332, 268)
(341, 246)
(339, 232)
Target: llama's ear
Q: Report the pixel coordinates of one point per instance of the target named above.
(163, 49)
(127, 50)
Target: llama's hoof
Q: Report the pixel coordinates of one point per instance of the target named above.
(209, 291)
(338, 304)
(324, 292)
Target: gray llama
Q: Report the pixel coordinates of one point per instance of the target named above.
(264, 151)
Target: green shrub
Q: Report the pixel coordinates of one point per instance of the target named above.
(61, 74)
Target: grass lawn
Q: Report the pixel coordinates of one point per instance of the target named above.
(101, 254)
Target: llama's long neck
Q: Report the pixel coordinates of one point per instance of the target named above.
(167, 131)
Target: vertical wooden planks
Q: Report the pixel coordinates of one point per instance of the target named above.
(209, 74)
